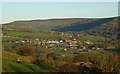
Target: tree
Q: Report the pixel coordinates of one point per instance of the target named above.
(53, 55)
(26, 51)
(5, 33)
(81, 58)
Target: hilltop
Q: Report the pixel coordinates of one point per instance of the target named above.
(50, 24)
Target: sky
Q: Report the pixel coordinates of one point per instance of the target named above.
(15, 11)
(60, 0)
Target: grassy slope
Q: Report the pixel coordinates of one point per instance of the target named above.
(22, 67)
(8, 62)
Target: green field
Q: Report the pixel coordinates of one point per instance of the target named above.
(29, 34)
(22, 67)
(8, 44)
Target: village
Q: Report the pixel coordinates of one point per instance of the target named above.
(61, 45)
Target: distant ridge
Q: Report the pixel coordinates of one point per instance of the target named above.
(61, 25)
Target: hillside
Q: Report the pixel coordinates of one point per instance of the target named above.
(47, 25)
(83, 26)
(63, 25)
(109, 29)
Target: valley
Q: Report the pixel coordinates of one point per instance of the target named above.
(61, 45)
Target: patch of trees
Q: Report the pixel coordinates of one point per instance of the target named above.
(109, 30)
(26, 51)
(107, 62)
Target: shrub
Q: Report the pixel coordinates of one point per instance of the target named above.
(71, 68)
(7, 48)
(81, 58)
(52, 55)
(46, 61)
(68, 59)
(26, 51)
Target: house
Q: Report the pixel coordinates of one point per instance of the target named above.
(71, 36)
(63, 55)
(23, 41)
(80, 50)
(52, 42)
(38, 43)
(74, 39)
(80, 42)
(5, 27)
(92, 43)
(68, 40)
(93, 48)
(51, 45)
(74, 42)
(8, 36)
(87, 42)
(111, 47)
(65, 49)
(73, 47)
(37, 39)
(98, 48)
(16, 41)
(61, 41)
(10, 41)
(56, 41)
(62, 33)
(49, 42)
(28, 41)
(89, 50)
(84, 47)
